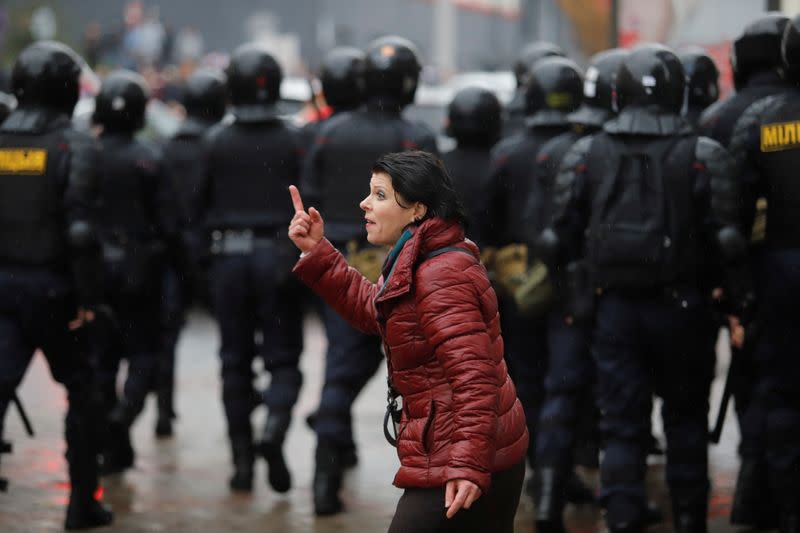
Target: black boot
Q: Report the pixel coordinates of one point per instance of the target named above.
(117, 455)
(752, 505)
(550, 497)
(348, 455)
(689, 509)
(690, 521)
(790, 523)
(578, 492)
(785, 487)
(243, 458)
(163, 426)
(327, 480)
(86, 513)
(631, 527)
(166, 412)
(271, 447)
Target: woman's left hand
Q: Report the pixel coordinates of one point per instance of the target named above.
(460, 493)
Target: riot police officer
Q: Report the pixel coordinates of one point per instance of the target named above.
(702, 82)
(766, 149)
(474, 120)
(205, 100)
(756, 64)
(138, 229)
(49, 257)
(554, 90)
(336, 172)
(530, 55)
(343, 87)
(568, 409)
(251, 161)
(755, 61)
(650, 230)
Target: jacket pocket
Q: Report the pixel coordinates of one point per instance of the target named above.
(428, 430)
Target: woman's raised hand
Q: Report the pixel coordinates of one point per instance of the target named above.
(305, 229)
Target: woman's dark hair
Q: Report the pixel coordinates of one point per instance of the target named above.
(419, 176)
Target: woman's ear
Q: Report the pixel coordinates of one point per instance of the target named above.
(420, 210)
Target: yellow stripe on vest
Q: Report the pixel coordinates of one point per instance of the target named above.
(23, 161)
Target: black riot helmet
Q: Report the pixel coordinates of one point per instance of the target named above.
(758, 48)
(531, 53)
(599, 103)
(790, 49)
(651, 76)
(391, 69)
(474, 117)
(47, 74)
(205, 95)
(120, 104)
(342, 78)
(554, 89)
(254, 83)
(702, 78)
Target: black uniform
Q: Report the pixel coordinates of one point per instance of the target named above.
(336, 179)
(49, 260)
(567, 423)
(244, 206)
(555, 89)
(767, 152)
(528, 57)
(756, 59)
(474, 120)
(649, 197)
(139, 228)
(205, 100)
(702, 83)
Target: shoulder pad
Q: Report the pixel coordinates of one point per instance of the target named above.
(712, 113)
(579, 150)
(758, 109)
(34, 121)
(714, 157)
(506, 145)
(336, 121)
(745, 137)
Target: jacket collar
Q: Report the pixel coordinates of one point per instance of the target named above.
(432, 234)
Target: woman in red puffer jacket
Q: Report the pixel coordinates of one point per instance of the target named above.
(461, 436)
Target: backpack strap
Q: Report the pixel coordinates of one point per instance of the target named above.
(443, 250)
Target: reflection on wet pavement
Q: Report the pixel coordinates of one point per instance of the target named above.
(182, 484)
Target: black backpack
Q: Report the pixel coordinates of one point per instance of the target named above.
(643, 227)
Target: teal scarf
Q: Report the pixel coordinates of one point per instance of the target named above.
(391, 259)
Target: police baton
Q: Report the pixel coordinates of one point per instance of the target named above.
(732, 379)
(23, 415)
(716, 432)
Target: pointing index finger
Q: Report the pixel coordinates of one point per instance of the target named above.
(297, 202)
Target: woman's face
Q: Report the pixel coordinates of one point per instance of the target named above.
(385, 217)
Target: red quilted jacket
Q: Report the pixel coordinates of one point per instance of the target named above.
(441, 330)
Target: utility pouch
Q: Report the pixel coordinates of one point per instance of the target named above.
(367, 260)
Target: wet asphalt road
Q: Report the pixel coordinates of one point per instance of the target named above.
(181, 484)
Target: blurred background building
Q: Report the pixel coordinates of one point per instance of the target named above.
(167, 39)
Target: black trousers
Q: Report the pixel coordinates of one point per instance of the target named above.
(423, 510)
